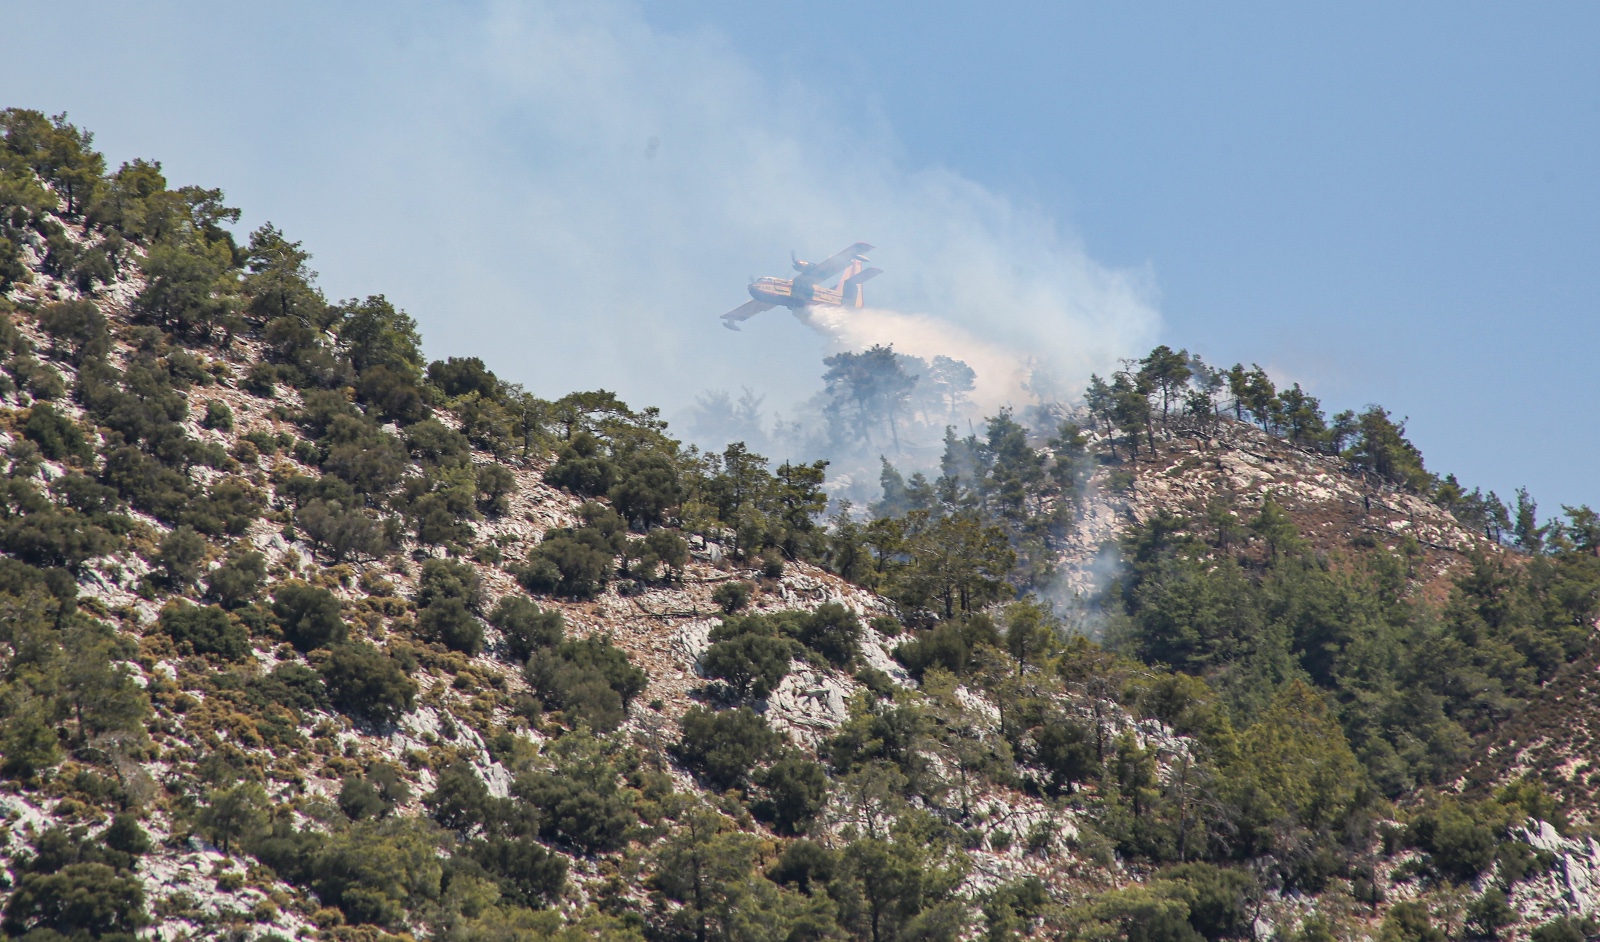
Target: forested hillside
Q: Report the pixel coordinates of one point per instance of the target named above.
(305, 636)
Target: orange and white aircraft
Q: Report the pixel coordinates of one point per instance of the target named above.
(803, 290)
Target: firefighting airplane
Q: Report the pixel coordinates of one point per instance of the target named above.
(803, 290)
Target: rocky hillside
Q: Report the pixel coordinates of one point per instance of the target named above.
(303, 636)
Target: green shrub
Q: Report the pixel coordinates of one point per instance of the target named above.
(571, 563)
(748, 655)
(124, 835)
(28, 740)
(527, 873)
(180, 554)
(525, 627)
(76, 327)
(1565, 929)
(394, 396)
(1063, 748)
(832, 631)
(795, 790)
(459, 800)
(435, 444)
(237, 581)
(375, 871)
(589, 680)
(1409, 922)
(1458, 846)
(495, 484)
(581, 801)
(308, 615)
(1222, 900)
(205, 630)
(449, 622)
(805, 864)
(358, 799)
(292, 685)
(732, 596)
(646, 487)
(86, 900)
(461, 376)
(58, 437)
(949, 646)
(365, 681)
(375, 794)
(218, 416)
(582, 468)
(448, 579)
(722, 748)
(342, 532)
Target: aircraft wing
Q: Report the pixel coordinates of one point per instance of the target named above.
(834, 264)
(744, 312)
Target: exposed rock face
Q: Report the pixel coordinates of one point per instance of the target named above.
(1571, 887)
(1244, 466)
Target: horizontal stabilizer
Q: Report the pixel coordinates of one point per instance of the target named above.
(817, 272)
(853, 294)
(744, 312)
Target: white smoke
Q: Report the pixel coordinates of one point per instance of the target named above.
(575, 195)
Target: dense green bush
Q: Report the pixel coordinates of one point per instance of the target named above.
(459, 801)
(589, 680)
(582, 801)
(365, 681)
(525, 627)
(308, 615)
(949, 645)
(646, 488)
(832, 631)
(180, 556)
(794, 792)
(582, 468)
(58, 437)
(527, 873)
(342, 532)
(462, 376)
(574, 563)
(375, 794)
(749, 655)
(86, 900)
(495, 484)
(1457, 844)
(723, 748)
(1410, 922)
(732, 596)
(448, 579)
(238, 580)
(1565, 929)
(291, 685)
(218, 416)
(1065, 751)
(204, 630)
(449, 622)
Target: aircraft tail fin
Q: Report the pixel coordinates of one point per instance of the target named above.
(853, 295)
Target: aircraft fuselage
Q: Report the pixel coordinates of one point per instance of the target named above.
(783, 291)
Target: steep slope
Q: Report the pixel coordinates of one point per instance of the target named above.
(304, 636)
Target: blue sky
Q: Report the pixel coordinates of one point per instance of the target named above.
(1387, 205)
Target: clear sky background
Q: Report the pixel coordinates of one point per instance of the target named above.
(1387, 205)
